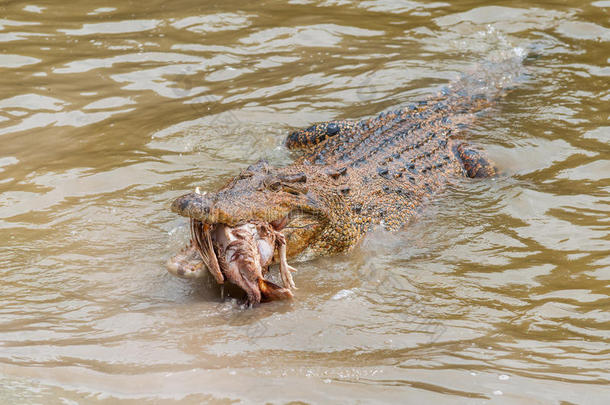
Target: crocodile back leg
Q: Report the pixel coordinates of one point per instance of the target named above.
(475, 163)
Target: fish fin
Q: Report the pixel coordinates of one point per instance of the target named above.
(271, 291)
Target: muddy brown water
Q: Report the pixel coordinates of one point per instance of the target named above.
(498, 292)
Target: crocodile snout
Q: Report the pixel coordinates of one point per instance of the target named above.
(194, 205)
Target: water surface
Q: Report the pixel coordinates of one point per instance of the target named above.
(109, 110)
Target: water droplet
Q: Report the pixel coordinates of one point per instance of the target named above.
(342, 294)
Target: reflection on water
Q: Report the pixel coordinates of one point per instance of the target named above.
(110, 110)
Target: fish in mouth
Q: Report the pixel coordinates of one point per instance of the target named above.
(240, 254)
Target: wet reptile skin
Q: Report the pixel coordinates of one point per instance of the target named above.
(353, 175)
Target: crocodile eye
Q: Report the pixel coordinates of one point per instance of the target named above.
(332, 129)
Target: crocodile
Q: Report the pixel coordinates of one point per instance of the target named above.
(349, 177)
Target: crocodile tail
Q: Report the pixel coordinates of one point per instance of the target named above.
(488, 80)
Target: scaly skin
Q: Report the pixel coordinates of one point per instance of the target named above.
(353, 175)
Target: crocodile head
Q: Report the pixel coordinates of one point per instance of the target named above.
(265, 207)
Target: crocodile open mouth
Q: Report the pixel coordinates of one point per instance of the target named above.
(238, 254)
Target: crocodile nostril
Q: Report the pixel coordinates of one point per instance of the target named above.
(184, 203)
